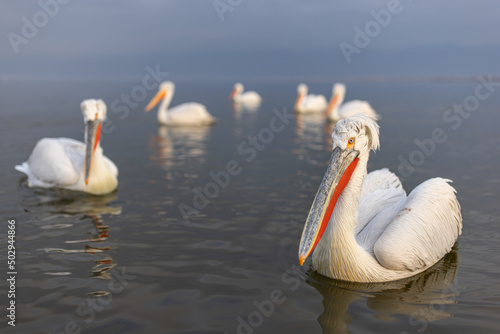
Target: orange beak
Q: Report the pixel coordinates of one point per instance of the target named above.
(300, 98)
(337, 176)
(158, 97)
(333, 103)
(93, 135)
(233, 94)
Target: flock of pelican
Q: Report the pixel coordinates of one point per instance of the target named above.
(362, 227)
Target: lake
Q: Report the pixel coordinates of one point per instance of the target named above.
(155, 256)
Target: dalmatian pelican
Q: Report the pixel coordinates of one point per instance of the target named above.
(186, 114)
(70, 164)
(363, 227)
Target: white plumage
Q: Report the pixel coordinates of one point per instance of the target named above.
(62, 162)
(376, 233)
(338, 110)
(249, 99)
(308, 104)
(189, 114)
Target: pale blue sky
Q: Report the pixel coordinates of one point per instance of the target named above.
(256, 39)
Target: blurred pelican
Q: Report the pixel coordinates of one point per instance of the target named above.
(192, 113)
(308, 104)
(363, 226)
(248, 99)
(337, 111)
(70, 164)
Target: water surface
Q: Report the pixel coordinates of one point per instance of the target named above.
(132, 262)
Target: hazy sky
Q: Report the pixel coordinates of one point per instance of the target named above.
(254, 39)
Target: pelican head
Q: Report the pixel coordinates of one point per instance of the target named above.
(353, 138)
(302, 90)
(94, 114)
(93, 109)
(338, 89)
(238, 89)
(165, 88)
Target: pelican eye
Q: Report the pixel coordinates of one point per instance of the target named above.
(350, 143)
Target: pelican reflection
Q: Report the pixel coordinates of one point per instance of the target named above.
(177, 146)
(418, 297)
(60, 212)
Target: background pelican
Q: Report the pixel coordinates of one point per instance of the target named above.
(249, 99)
(191, 113)
(364, 227)
(309, 103)
(337, 110)
(70, 164)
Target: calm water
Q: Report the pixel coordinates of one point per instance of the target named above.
(130, 262)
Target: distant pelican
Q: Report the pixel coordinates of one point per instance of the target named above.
(337, 111)
(70, 164)
(308, 104)
(364, 228)
(245, 99)
(192, 113)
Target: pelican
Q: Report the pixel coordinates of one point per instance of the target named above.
(192, 113)
(247, 99)
(337, 111)
(308, 104)
(70, 164)
(363, 228)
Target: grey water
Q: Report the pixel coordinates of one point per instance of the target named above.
(155, 256)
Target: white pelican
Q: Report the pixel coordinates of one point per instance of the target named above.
(363, 227)
(247, 99)
(337, 111)
(191, 113)
(308, 104)
(70, 164)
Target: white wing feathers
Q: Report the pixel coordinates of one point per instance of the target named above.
(379, 180)
(424, 230)
(191, 113)
(49, 164)
(381, 190)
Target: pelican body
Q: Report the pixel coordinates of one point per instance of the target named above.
(309, 104)
(363, 228)
(190, 114)
(245, 99)
(70, 164)
(338, 110)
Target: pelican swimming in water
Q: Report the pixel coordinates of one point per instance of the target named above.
(245, 99)
(338, 110)
(362, 227)
(309, 104)
(192, 113)
(70, 164)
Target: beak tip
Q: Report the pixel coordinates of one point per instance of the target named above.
(302, 258)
